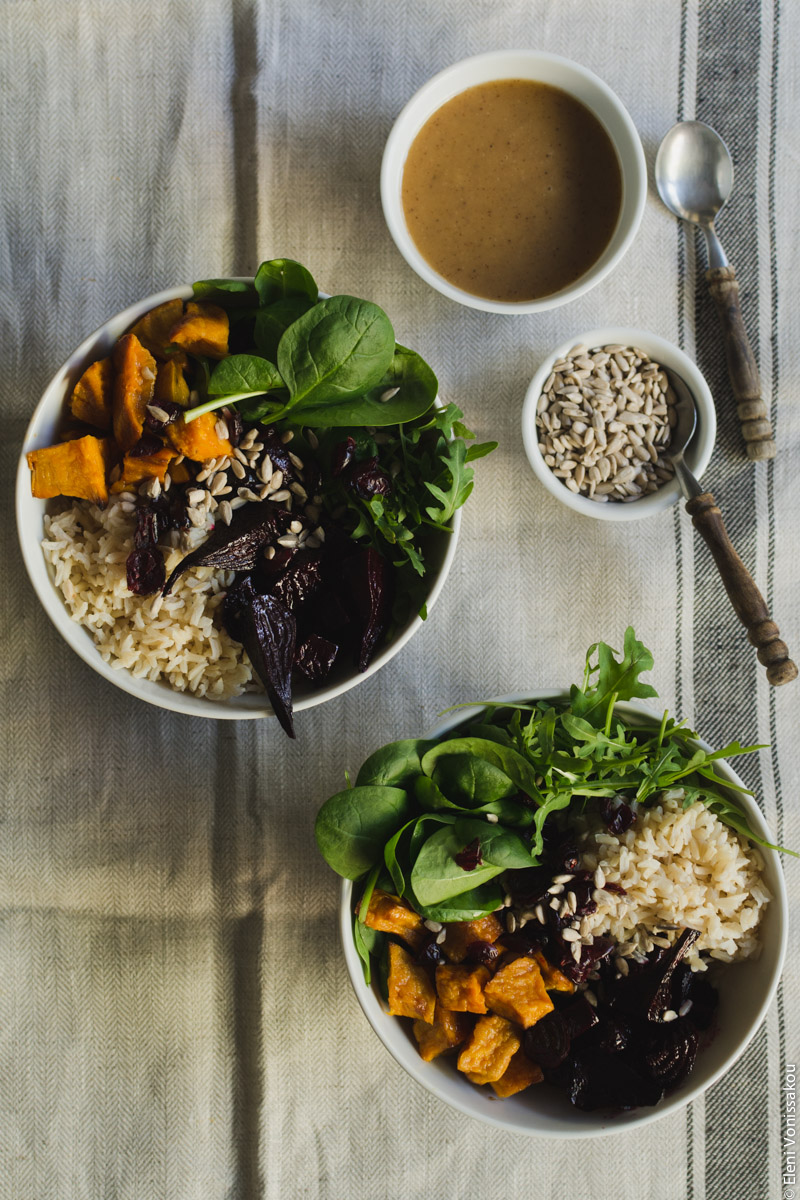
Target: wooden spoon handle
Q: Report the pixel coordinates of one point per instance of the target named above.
(750, 606)
(742, 368)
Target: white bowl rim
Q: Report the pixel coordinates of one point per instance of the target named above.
(589, 1124)
(634, 177)
(159, 693)
(700, 449)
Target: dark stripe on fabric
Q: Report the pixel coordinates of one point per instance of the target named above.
(725, 667)
(678, 515)
(776, 378)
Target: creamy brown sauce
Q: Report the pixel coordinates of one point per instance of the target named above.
(512, 190)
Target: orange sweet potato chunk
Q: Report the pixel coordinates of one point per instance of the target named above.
(554, 980)
(518, 1075)
(133, 389)
(460, 988)
(136, 468)
(198, 439)
(74, 468)
(154, 329)
(91, 399)
(410, 990)
(486, 1056)
(517, 992)
(449, 1029)
(461, 933)
(171, 384)
(203, 330)
(391, 915)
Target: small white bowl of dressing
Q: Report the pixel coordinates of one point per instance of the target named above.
(513, 181)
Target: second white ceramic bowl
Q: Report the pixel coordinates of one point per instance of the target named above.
(700, 448)
(746, 990)
(559, 72)
(43, 430)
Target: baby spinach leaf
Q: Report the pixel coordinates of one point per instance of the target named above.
(226, 292)
(422, 827)
(468, 906)
(395, 764)
(338, 349)
(406, 391)
(517, 768)
(436, 876)
(469, 779)
(244, 373)
(282, 279)
(272, 322)
(352, 827)
(429, 797)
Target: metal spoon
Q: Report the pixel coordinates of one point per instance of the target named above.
(748, 603)
(694, 177)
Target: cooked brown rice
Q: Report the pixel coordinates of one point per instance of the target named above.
(179, 638)
(679, 866)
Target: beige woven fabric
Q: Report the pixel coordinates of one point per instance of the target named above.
(175, 1017)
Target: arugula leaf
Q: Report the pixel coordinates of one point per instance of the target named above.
(615, 680)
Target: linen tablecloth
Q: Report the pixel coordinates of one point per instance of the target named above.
(175, 1018)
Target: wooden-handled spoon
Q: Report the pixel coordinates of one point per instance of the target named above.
(748, 603)
(694, 177)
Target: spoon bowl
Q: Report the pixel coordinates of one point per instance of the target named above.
(694, 177)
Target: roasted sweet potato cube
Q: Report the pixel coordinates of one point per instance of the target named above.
(171, 383)
(461, 933)
(460, 987)
(91, 399)
(133, 389)
(391, 915)
(136, 468)
(180, 472)
(517, 992)
(519, 1074)
(449, 1029)
(554, 980)
(198, 439)
(203, 330)
(74, 468)
(154, 329)
(411, 992)
(486, 1056)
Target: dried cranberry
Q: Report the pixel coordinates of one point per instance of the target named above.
(145, 571)
(483, 953)
(155, 424)
(342, 456)
(470, 857)
(430, 953)
(147, 444)
(616, 888)
(617, 815)
(235, 428)
(367, 479)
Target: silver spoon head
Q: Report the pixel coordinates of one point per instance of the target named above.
(694, 172)
(686, 411)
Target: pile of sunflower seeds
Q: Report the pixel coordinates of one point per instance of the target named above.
(221, 486)
(604, 420)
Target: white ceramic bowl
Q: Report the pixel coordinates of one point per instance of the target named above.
(543, 68)
(700, 448)
(43, 430)
(745, 993)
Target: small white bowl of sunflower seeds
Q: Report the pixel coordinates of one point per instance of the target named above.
(597, 422)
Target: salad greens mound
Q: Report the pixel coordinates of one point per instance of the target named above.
(440, 821)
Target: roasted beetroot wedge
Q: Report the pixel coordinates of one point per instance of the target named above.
(235, 547)
(370, 580)
(267, 630)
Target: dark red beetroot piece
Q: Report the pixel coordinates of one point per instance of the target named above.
(267, 630)
(301, 577)
(369, 579)
(235, 547)
(342, 456)
(314, 658)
